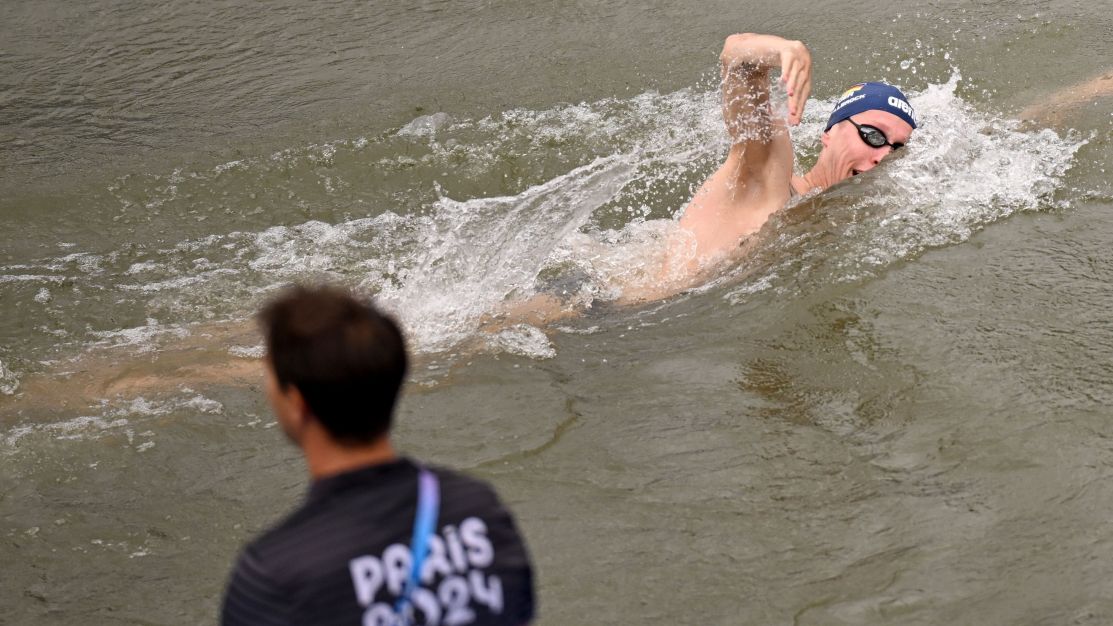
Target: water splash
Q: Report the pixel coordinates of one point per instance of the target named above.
(963, 170)
(477, 253)
(446, 219)
(9, 381)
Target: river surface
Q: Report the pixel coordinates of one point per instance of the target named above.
(895, 410)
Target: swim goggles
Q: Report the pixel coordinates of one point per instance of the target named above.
(873, 137)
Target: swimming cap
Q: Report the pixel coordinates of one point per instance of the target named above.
(872, 97)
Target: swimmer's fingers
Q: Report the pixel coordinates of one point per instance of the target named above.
(801, 96)
(795, 103)
(790, 77)
(798, 84)
(796, 74)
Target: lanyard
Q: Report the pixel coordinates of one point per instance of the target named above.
(428, 503)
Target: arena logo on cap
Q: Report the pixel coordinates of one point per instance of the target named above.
(897, 103)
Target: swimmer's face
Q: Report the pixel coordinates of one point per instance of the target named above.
(850, 155)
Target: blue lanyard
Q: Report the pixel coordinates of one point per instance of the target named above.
(428, 503)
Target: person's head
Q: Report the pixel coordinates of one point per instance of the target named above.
(332, 359)
(869, 122)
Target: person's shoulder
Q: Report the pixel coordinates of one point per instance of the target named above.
(272, 544)
(473, 510)
(459, 484)
(253, 595)
(260, 549)
(463, 495)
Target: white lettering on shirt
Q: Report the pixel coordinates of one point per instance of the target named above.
(436, 563)
(456, 549)
(396, 562)
(473, 532)
(457, 558)
(367, 576)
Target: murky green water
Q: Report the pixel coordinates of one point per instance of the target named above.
(894, 412)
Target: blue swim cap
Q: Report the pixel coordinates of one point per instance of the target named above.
(872, 97)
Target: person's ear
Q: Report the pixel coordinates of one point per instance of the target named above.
(299, 408)
(825, 137)
(292, 411)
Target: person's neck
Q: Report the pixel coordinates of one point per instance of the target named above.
(324, 456)
(818, 178)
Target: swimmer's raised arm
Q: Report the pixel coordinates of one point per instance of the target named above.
(756, 178)
(746, 61)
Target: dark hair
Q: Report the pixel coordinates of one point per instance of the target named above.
(345, 357)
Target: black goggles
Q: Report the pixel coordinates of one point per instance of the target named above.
(873, 136)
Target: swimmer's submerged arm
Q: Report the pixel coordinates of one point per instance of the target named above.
(1051, 110)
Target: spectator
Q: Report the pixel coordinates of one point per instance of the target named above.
(380, 539)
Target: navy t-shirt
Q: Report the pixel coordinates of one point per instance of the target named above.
(343, 557)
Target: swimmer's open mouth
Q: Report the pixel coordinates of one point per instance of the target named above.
(855, 172)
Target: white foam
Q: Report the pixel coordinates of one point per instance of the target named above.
(89, 424)
(32, 278)
(85, 262)
(115, 417)
(141, 337)
(477, 252)
(144, 407)
(181, 282)
(9, 381)
(426, 125)
(224, 167)
(139, 268)
(523, 340)
(204, 405)
(248, 352)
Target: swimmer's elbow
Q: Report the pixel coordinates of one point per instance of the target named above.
(734, 47)
(738, 38)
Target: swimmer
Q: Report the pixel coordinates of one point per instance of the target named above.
(870, 121)
(353, 552)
